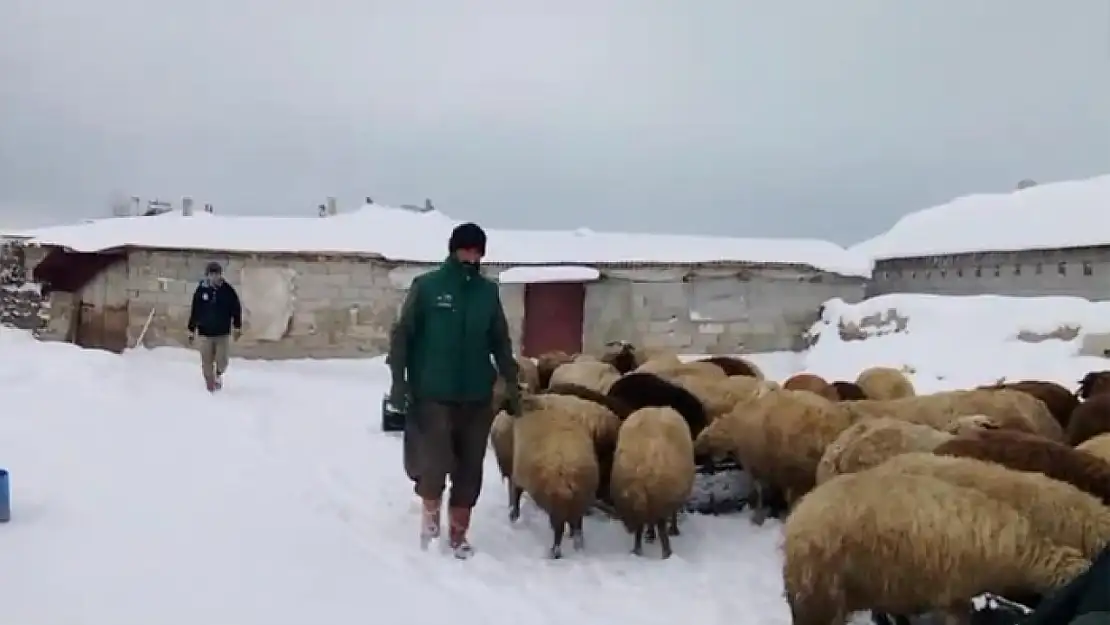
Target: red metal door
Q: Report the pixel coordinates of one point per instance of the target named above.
(553, 317)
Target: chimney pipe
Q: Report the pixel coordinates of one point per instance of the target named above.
(332, 208)
(187, 206)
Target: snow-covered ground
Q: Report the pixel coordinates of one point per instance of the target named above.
(140, 499)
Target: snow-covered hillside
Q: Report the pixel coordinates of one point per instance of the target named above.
(139, 498)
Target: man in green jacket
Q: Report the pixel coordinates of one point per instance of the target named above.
(450, 325)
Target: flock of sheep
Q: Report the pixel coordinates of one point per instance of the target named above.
(893, 502)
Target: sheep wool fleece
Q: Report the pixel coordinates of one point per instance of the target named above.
(451, 322)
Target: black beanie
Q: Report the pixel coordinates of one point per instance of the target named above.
(467, 236)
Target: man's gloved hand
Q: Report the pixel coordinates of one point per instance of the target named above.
(512, 399)
(192, 336)
(237, 333)
(399, 395)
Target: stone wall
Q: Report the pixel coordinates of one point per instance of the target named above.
(20, 300)
(343, 306)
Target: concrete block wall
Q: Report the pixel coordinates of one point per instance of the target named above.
(343, 306)
(1077, 273)
(772, 312)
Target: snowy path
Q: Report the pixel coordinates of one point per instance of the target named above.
(140, 499)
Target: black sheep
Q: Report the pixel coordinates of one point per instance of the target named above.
(849, 391)
(640, 390)
(732, 366)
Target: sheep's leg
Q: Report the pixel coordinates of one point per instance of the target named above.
(649, 533)
(638, 541)
(578, 539)
(672, 529)
(557, 528)
(759, 511)
(515, 493)
(664, 538)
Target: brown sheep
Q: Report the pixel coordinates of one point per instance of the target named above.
(885, 383)
(653, 474)
(1009, 402)
(720, 396)
(528, 374)
(547, 363)
(732, 365)
(1090, 418)
(672, 371)
(1059, 400)
(1028, 452)
(598, 376)
(1094, 383)
(811, 383)
(906, 544)
(501, 441)
(1085, 526)
(655, 354)
(848, 391)
(604, 428)
(1010, 409)
(1097, 446)
(555, 462)
(871, 442)
(779, 438)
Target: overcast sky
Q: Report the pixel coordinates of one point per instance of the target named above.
(785, 118)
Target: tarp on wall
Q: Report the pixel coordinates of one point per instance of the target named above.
(267, 297)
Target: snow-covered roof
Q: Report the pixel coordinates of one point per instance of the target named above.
(405, 235)
(1048, 216)
(557, 273)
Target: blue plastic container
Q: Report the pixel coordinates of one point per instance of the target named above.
(5, 497)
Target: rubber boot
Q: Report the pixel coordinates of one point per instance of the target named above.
(429, 521)
(459, 519)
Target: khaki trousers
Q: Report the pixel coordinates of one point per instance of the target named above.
(214, 354)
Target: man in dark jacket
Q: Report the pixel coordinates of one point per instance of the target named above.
(451, 323)
(215, 314)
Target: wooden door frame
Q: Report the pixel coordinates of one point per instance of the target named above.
(525, 343)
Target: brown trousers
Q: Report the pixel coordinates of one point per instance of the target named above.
(215, 352)
(448, 439)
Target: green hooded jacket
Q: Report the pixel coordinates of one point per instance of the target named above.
(450, 325)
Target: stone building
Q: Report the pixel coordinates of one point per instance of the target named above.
(1045, 240)
(331, 286)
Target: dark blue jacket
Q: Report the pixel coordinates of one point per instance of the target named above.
(215, 310)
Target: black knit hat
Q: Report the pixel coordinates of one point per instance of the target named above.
(467, 236)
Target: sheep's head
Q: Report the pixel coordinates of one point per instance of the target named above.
(972, 423)
(714, 442)
(620, 354)
(1094, 383)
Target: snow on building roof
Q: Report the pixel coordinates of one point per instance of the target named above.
(558, 273)
(1049, 216)
(405, 235)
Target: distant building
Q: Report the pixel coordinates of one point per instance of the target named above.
(331, 287)
(1041, 240)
